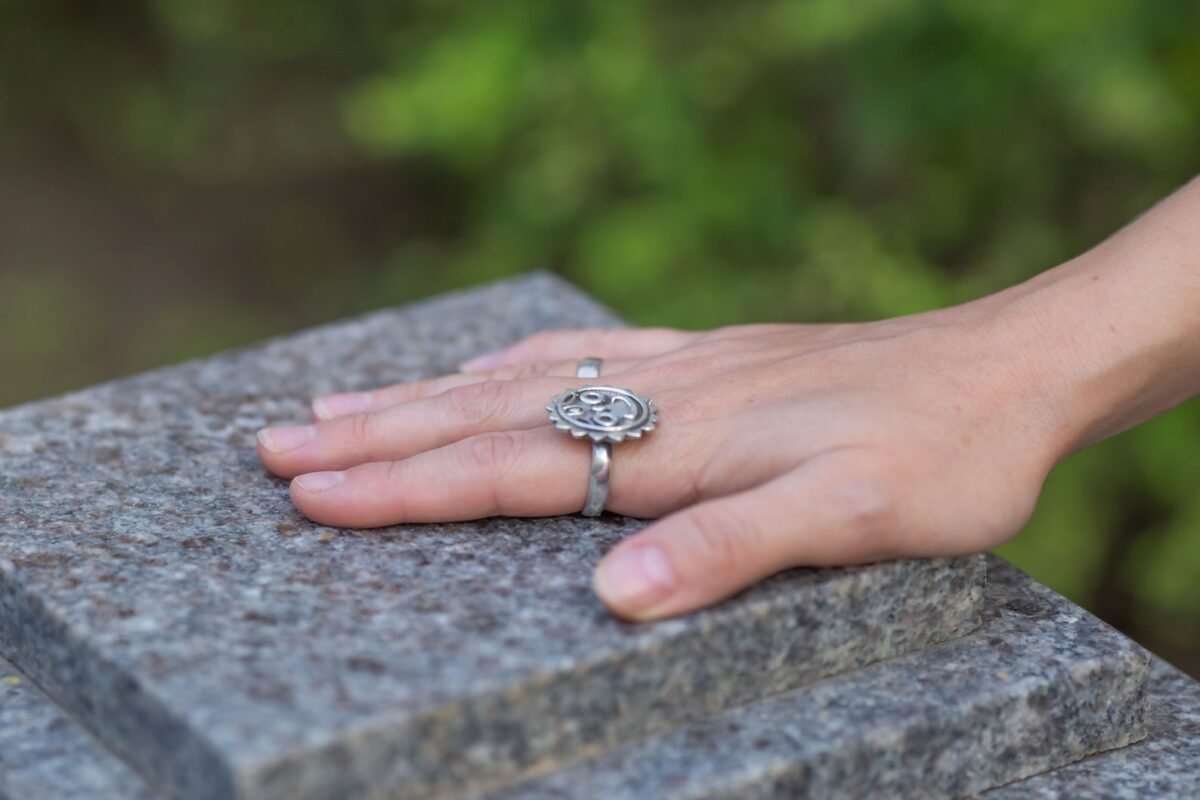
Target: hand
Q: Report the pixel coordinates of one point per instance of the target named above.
(779, 446)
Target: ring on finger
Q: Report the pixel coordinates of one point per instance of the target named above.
(607, 415)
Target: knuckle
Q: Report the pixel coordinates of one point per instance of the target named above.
(362, 429)
(869, 508)
(725, 538)
(389, 473)
(476, 402)
(492, 453)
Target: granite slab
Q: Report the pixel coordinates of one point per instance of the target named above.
(158, 584)
(1164, 766)
(1042, 683)
(46, 755)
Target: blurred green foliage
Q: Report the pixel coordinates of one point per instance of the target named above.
(691, 164)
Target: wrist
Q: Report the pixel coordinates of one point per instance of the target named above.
(1112, 338)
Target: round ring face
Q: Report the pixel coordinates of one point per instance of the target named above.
(603, 413)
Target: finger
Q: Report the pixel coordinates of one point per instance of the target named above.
(817, 514)
(406, 429)
(528, 473)
(619, 343)
(342, 404)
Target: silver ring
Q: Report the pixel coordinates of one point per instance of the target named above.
(589, 367)
(597, 493)
(607, 415)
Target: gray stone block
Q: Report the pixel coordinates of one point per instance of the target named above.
(1166, 764)
(159, 585)
(46, 755)
(1040, 684)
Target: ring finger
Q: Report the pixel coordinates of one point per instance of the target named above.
(522, 473)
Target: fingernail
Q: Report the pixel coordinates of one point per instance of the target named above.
(283, 439)
(320, 481)
(338, 405)
(635, 579)
(480, 363)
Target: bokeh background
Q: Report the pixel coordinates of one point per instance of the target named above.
(180, 176)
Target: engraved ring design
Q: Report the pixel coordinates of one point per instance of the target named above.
(607, 415)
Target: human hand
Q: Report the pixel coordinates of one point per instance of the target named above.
(778, 446)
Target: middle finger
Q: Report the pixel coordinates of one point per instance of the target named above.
(404, 430)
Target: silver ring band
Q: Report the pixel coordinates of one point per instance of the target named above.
(589, 368)
(597, 493)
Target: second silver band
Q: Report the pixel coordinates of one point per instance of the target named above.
(589, 368)
(597, 494)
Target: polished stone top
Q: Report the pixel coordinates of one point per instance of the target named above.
(157, 583)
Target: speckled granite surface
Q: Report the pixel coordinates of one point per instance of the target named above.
(1042, 683)
(159, 585)
(1164, 766)
(46, 755)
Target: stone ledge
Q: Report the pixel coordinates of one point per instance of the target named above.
(1041, 684)
(160, 586)
(46, 755)
(1166, 764)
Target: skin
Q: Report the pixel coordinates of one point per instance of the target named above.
(785, 445)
